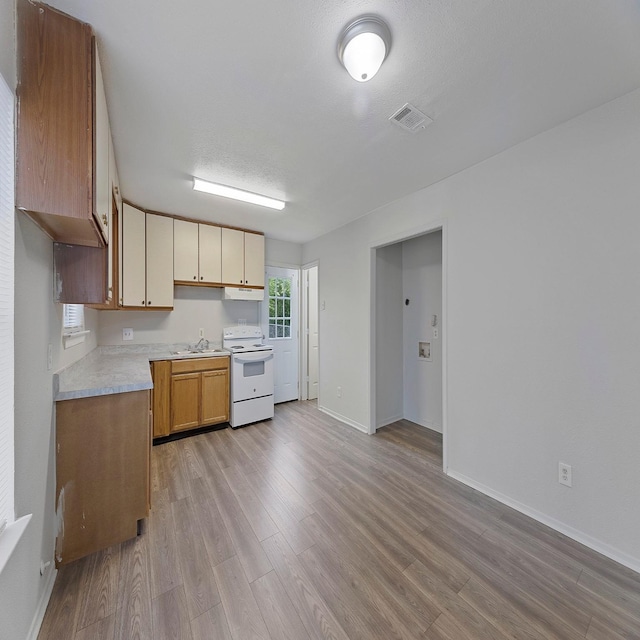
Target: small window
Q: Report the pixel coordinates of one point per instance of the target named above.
(279, 307)
(73, 331)
(73, 318)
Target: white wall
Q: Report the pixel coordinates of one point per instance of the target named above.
(282, 253)
(422, 285)
(193, 308)
(389, 331)
(38, 322)
(543, 274)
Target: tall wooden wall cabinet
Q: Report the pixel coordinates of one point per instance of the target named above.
(63, 161)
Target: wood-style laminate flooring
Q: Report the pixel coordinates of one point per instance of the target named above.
(302, 528)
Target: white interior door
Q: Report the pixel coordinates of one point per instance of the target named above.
(312, 332)
(280, 311)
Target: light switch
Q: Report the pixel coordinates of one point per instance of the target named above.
(127, 334)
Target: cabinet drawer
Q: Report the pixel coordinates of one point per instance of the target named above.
(200, 364)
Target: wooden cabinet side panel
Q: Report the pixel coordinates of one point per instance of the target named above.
(254, 260)
(159, 261)
(101, 146)
(185, 251)
(80, 274)
(185, 401)
(232, 256)
(215, 396)
(102, 471)
(133, 257)
(210, 253)
(54, 118)
(161, 372)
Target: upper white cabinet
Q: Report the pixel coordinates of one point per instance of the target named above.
(253, 259)
(159, 245)
(242, 258)
(209, 252)
(146, 259)
(196, 253)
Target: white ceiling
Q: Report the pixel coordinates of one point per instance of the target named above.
(251, 94)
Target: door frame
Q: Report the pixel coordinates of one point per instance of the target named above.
(304, 325)
(434, 225)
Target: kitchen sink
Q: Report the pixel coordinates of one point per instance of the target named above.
(197, 352)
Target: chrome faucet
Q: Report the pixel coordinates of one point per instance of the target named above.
(201, 345)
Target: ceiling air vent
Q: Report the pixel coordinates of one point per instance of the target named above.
(410, 118)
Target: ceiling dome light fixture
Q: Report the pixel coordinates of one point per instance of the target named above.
(363, 46)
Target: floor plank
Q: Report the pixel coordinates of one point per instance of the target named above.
(243, 615)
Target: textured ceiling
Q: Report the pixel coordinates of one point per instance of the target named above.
(251, 94)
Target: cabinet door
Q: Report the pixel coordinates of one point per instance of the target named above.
(209, 245)
(161, 397)
(54, 123)
(254, 260)
(232, 256)
(215, 396)
(185, 401)
(185, 251)
(133, 257)
(101, 140)
(159, 261)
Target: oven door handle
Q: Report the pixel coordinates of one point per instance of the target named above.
(256, 358)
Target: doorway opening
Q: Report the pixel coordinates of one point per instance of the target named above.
(408, 333)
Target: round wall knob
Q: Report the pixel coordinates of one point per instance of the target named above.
(194, 277)
(143, 303)
(201, 277)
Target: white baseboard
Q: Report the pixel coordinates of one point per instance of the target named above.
(594, 544)
(42, 604)
(385, 421)
(337, 416)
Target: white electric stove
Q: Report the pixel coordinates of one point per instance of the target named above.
(251, 375)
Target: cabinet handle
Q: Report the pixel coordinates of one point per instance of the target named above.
(194, 277)
(149, 303)
(143, 303)
(201, 277)
(104, 219)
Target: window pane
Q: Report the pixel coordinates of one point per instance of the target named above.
(280, 308)
(287, 332)
(272, 330)
(280, 331)
(272, 286)
(287, 287)
(272, 308)
(287, 308)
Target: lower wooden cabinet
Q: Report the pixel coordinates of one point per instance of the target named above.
(103, 453)
(188, 394)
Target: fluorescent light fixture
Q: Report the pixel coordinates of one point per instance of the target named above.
(236, 194)
(363, 46)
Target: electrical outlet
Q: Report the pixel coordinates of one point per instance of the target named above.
(435, 333)
(564, 473)
(127, 334)
(339, 392)
(200, 332)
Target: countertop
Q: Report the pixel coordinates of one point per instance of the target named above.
(117, 369)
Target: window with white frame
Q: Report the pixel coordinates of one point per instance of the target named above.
(73, 331)
(73, 320)
(7, 471)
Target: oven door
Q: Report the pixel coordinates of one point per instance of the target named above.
(252, 375)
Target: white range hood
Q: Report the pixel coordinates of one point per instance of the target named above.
(243, 293)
